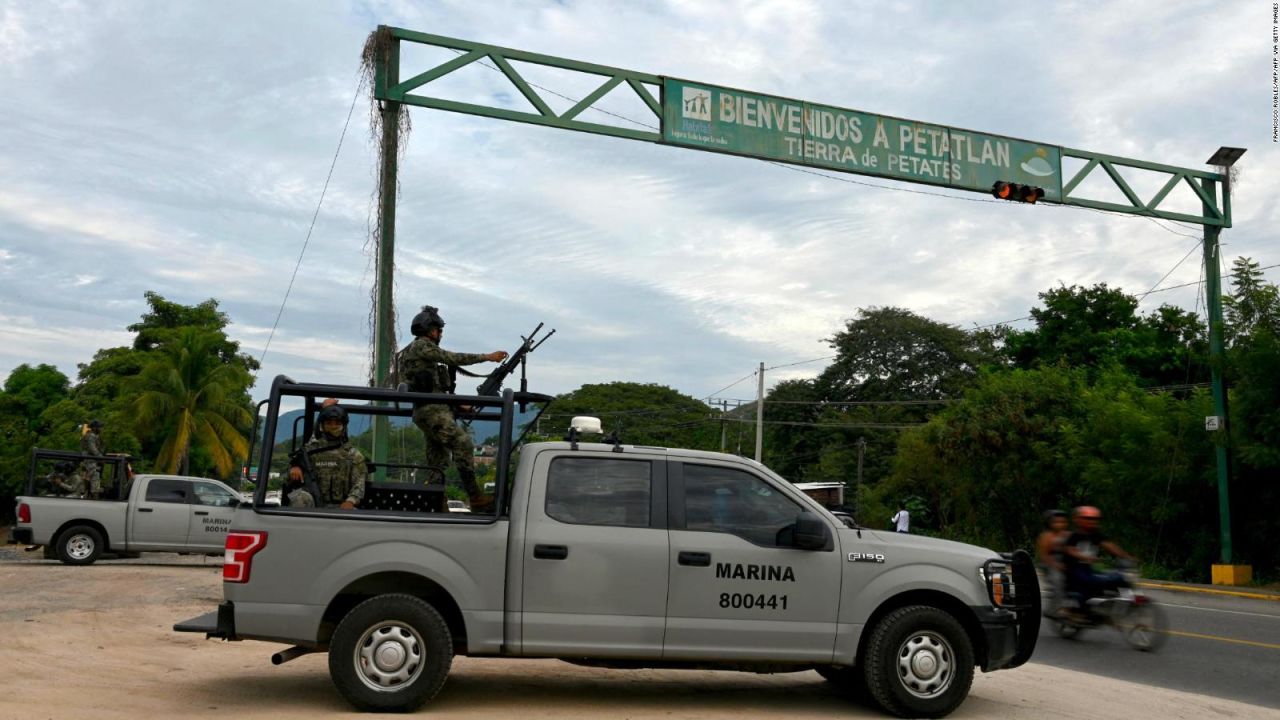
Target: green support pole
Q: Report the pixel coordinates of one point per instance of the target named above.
(1213, 293)
(388, 73)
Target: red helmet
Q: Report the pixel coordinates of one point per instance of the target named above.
(1087, 512)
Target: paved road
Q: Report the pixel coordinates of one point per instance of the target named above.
(1220, 646)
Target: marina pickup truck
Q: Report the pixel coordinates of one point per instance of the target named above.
(612, 555)
(153, 513)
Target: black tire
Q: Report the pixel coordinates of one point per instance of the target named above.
(80, 545)
(918, 662)
(409, 635)
(1145, 627)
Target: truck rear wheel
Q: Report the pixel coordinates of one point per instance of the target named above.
(919, 662)
(79, 545)
(391, 653)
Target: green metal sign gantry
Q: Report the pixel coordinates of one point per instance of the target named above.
(714, 118)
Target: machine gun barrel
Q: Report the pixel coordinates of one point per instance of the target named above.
(492, 384)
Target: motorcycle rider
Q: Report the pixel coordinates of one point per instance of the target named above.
(1081, 549)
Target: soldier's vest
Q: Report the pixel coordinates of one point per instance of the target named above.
(424, 376)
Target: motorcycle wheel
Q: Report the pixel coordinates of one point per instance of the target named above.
(1145, 627)
(1067, 630)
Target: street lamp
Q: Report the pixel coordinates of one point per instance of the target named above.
(1225, 573)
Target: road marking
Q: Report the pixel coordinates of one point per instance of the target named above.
(1210, 591)
(1233, 612)
(1254, 643)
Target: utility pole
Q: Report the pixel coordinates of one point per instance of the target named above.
(387, 74)
(724, 412)
(760, 414)
(1224, 158)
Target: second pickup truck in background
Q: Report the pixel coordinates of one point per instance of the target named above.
(157, 513)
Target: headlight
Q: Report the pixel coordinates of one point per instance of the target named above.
(999, 581)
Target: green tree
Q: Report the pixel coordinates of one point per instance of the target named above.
(892, 353)
(189, 398)
(166, 319)
(641, 414)
(1096, 327)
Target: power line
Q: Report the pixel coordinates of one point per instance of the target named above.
(306, 241)
(802, 362)
(735, 382)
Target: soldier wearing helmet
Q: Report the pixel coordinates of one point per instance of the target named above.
(91, 444)
(338, 470)
(428, 368)
(1081, 550)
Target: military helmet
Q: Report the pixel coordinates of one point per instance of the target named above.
(425, 320)
(95, 425)
(333, 412)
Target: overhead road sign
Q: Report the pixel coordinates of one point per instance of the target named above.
(739, 122)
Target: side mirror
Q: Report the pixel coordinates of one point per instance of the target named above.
(810, 533)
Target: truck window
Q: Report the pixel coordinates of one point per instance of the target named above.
(727, 500)
(168, 491)
(599, 491)
(210, 494)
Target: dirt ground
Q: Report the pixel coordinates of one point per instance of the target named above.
(96, 642)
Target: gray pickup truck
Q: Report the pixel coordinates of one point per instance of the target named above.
(612, 555)
(151, 513)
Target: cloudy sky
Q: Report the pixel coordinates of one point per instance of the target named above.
(181, 147)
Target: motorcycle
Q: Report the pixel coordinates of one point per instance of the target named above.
(1128, 609)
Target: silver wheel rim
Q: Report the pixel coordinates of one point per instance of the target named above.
(925, 663)
(389, 656)
(80, 546)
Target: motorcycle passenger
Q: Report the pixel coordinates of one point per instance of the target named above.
(1081, 549)
(1049, 555)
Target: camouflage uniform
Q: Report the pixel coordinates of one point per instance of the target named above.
(425, 366)
(340, 474)
(61, 483)
(91, 444)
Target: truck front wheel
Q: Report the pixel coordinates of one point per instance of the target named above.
(919, 662)
(79, 545)
(391, 653)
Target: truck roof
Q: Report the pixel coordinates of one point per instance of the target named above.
(675, 452)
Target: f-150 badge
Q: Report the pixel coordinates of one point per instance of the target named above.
(866, 557)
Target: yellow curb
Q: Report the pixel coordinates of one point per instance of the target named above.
(1210, 591)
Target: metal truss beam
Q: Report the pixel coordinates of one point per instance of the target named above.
(413, 91)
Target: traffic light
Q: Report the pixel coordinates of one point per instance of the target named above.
(1016, 192)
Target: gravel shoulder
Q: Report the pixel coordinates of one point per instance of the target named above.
(97, 642)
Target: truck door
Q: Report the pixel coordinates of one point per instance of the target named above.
(212, 507)
(160, 515)
(735, 592)
(595, 557)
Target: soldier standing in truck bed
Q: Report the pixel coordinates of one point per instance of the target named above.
(91, 444)
(430, 369)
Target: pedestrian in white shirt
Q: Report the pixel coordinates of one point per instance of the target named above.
(902, 518)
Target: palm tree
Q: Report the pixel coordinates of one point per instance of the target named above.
(189, 396)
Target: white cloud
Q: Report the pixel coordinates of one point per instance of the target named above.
(181, 148)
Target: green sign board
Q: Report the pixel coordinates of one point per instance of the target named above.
(720, 119)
